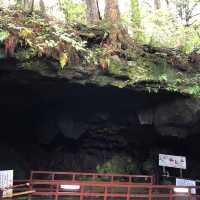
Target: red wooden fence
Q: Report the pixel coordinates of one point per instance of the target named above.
(104, 189)
(98, 177)
(111, 190)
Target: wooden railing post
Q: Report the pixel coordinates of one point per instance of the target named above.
(152, 180)
(128, 193)
(150, 193)
(190, 194)
(30, 185)
(130, 179)
(31, 176)
(81, 194)
(112, 178)
(53, 176)
(57, 190)
(171, 194)
(73, 177)
(105, 193)
(94, 177)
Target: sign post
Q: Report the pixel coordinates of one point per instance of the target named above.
(6, 182)
(178, 162)
(181, 173)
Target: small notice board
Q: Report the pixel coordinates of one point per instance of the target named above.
(172, 161)
(186, 182)
(6, 181)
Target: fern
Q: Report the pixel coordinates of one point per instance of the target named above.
(194, 90)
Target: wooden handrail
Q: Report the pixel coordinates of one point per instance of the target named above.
(113, 177)
(90, 174)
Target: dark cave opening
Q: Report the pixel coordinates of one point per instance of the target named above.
(51, 124)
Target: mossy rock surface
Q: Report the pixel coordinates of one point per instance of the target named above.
(80, 54)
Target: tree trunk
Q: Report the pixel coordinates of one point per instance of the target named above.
(167, 2)
(118, 37)
(93, 13)
(31, 6)
(60, 5)
(28, 5)
(112, 13)
(157, 4)
(42, 7)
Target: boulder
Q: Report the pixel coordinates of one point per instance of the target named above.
(177, 118)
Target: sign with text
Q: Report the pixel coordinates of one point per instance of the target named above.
(6, 181)
(186, 182)
(172, 161)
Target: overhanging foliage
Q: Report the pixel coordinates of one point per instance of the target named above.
(33, 36)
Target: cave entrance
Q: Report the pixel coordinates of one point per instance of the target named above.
(52, 124)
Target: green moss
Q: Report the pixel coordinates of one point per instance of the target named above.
(134, 70)
(115, 70)
(25, 54)
(159, 75)
(118, 164)
(140, 70)
(193, 90)
(116, 67)
(36, 65)
(163, 71)
(101, 80)
(88, 34)
(120, 84)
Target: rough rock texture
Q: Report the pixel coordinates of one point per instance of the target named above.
(178, 118)
(52, 122)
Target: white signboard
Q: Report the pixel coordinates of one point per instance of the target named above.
(6, 181)
(185, 182)
(172, 161)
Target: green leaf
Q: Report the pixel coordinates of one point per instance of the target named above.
(63, 60)
(3, 35)
(163, 77)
